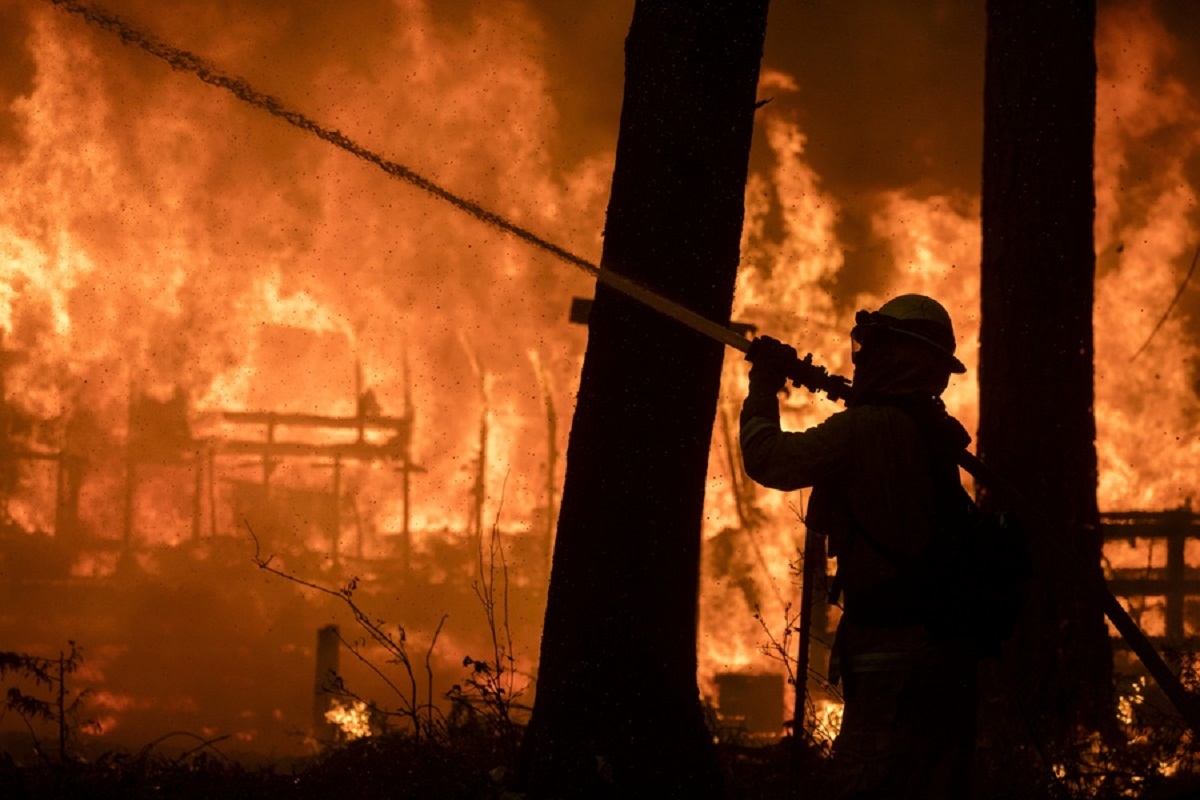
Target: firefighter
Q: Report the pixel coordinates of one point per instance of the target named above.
(877, 471)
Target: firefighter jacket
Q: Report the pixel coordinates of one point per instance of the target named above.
(873, 496)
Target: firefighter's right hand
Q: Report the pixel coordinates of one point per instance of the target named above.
(771, 362)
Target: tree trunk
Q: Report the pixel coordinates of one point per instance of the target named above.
(1036, 368)
(617, 711)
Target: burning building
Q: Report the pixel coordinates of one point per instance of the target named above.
(220, 331)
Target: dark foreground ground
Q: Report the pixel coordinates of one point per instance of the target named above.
(476, 766)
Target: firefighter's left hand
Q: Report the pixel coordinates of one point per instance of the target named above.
(771, 361)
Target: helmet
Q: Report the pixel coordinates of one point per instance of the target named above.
(916, 317)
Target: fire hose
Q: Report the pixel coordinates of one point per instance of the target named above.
(803, 374)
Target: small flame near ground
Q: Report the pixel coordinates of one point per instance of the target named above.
(353, 721)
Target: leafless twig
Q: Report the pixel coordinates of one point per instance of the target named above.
(394, 645)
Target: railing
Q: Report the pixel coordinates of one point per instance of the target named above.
(1162, 541)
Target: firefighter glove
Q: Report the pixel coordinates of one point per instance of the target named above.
(771, 362)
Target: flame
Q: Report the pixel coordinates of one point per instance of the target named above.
(783, 288)
(353, 721)
(1148, 415)
(1147, 412)
(185, 286)
(1141, 552)
(828, 719)
(1128, 701)
(156, 237)
(775, 291)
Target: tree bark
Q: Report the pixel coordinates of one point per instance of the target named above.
(617, 709)
(1036, 355)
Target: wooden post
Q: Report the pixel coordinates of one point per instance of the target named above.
(328, 646)
(358, 531)
(212, 489)
(480, 490)
(551, 471)
(337, 517)
(130, 478)
(481, 472)
(734, 467)
(358, 399)
(62, 707)
(197, 493)
(551, 457)
(406, 531)
(1176, 593)
(814, 564)
(268, 463)
(59, 492)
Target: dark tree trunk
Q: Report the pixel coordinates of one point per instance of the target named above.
(617, 710)
(1036, 368)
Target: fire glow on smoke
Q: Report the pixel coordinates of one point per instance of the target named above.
(158, 239)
